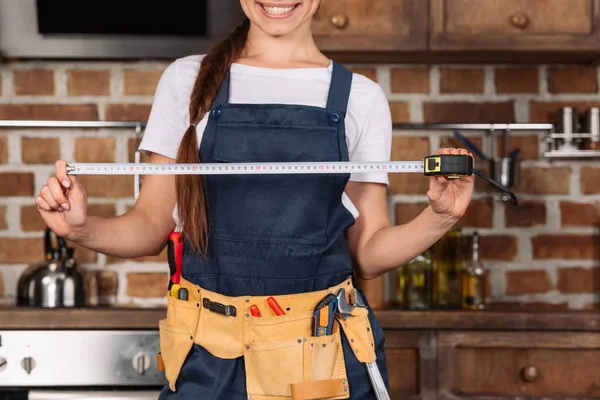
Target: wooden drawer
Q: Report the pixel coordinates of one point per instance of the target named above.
(382, 25)
(514, 24)
(501, 364)
(411, 365)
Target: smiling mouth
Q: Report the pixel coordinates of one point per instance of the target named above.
(278, 10)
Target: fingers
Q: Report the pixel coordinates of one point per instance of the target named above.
(42, 204)
(57, 193)
(61, 173)
(46, 195)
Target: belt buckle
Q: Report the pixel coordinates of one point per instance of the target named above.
(223, 309)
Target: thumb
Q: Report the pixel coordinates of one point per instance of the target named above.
(438, 183)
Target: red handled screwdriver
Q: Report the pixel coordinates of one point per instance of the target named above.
(175, 258)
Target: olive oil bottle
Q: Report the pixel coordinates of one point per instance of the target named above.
(418, 282)
(474, 296)
(447, 267)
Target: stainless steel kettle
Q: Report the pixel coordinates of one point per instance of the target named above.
(55, 283)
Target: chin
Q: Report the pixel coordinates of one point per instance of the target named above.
(280, 17)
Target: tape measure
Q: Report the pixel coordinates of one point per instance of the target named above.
(451, 165)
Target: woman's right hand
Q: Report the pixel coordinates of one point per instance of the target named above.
(62, 203)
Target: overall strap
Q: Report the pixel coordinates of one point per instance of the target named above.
(339, 89)
(222, 96)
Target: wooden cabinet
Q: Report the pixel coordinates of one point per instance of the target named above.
(541, 25)
(382, 25)
(454, 355)
(501, 364)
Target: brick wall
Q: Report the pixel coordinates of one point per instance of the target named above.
(543, 253)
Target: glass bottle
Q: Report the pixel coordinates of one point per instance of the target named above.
(474, 280)
(418, 282)
(447, 266)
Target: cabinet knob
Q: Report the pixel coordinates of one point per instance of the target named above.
(339, 21)
(529, 374)
(519, 20)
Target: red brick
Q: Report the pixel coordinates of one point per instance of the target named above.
(33, 82)
(528, 213)
(480, 214)
(547, 112)
(88, 82)
(162, 257)
(527, 145)
(95, 150)
(69, 112)
(572, 79)
(108, 284)
(406, 148)
(406, 212)
(31, 219)
(469, 112)
(525, 282)
(107, 185)
(579, 214)
(132, 145)
(578, 280)
(461, 80)
(1, 286)
(400, 111)
(3, 224)
(498, 247)
(16, 183)
(544, 180)
(410, 80)
(147, 284)
(20, 250)
(452, 141)
(128, 112)
(369, 72)
(40, 151)
(408, 184)
(141, 82)
(3, 149)
(590, 180)
(517, 80)
(565, 246)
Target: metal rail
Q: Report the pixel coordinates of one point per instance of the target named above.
(7, 123)
(479, 127)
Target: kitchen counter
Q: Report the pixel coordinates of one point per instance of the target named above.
(147, 318)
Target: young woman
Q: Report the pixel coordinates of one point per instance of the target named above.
(265, 94)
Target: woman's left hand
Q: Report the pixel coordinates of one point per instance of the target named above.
(450, 197)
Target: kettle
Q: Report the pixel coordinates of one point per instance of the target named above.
(55, 283)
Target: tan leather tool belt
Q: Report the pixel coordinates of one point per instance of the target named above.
(307, 366)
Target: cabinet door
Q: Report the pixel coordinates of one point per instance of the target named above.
(501, 365)
(381, 25)
(411, 364)
(541, 25)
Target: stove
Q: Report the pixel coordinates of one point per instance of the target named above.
(79, 364)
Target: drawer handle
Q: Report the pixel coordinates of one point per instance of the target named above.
(519, 20)
(529, 374)
(339, 21)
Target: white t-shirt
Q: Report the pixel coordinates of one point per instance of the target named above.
(368, 121)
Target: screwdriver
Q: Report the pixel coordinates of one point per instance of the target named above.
(175, 259)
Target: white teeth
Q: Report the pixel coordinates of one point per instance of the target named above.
(278, 10)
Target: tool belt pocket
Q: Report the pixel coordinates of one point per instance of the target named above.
(282, 359)
(177, 333)
(359, 333)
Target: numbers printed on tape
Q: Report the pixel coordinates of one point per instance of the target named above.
(241, 168)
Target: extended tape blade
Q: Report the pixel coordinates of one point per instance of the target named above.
(243, 168)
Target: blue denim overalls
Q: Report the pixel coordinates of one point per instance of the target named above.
(270, 234)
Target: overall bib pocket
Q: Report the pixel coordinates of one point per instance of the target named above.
(246, 201)
(280, 353)
(177, 333)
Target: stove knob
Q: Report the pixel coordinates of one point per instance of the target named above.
(28, 364)
(3, 364)
(141, 363)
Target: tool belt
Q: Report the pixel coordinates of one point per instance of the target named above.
(282, 346)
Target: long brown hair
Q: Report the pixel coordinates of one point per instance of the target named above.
(191, 196)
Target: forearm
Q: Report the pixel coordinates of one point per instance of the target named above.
(392, 246)
(130, 235)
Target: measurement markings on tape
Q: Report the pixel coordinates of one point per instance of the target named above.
(242, 168)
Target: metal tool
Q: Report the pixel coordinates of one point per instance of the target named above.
(345, 311)
(324, 315)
